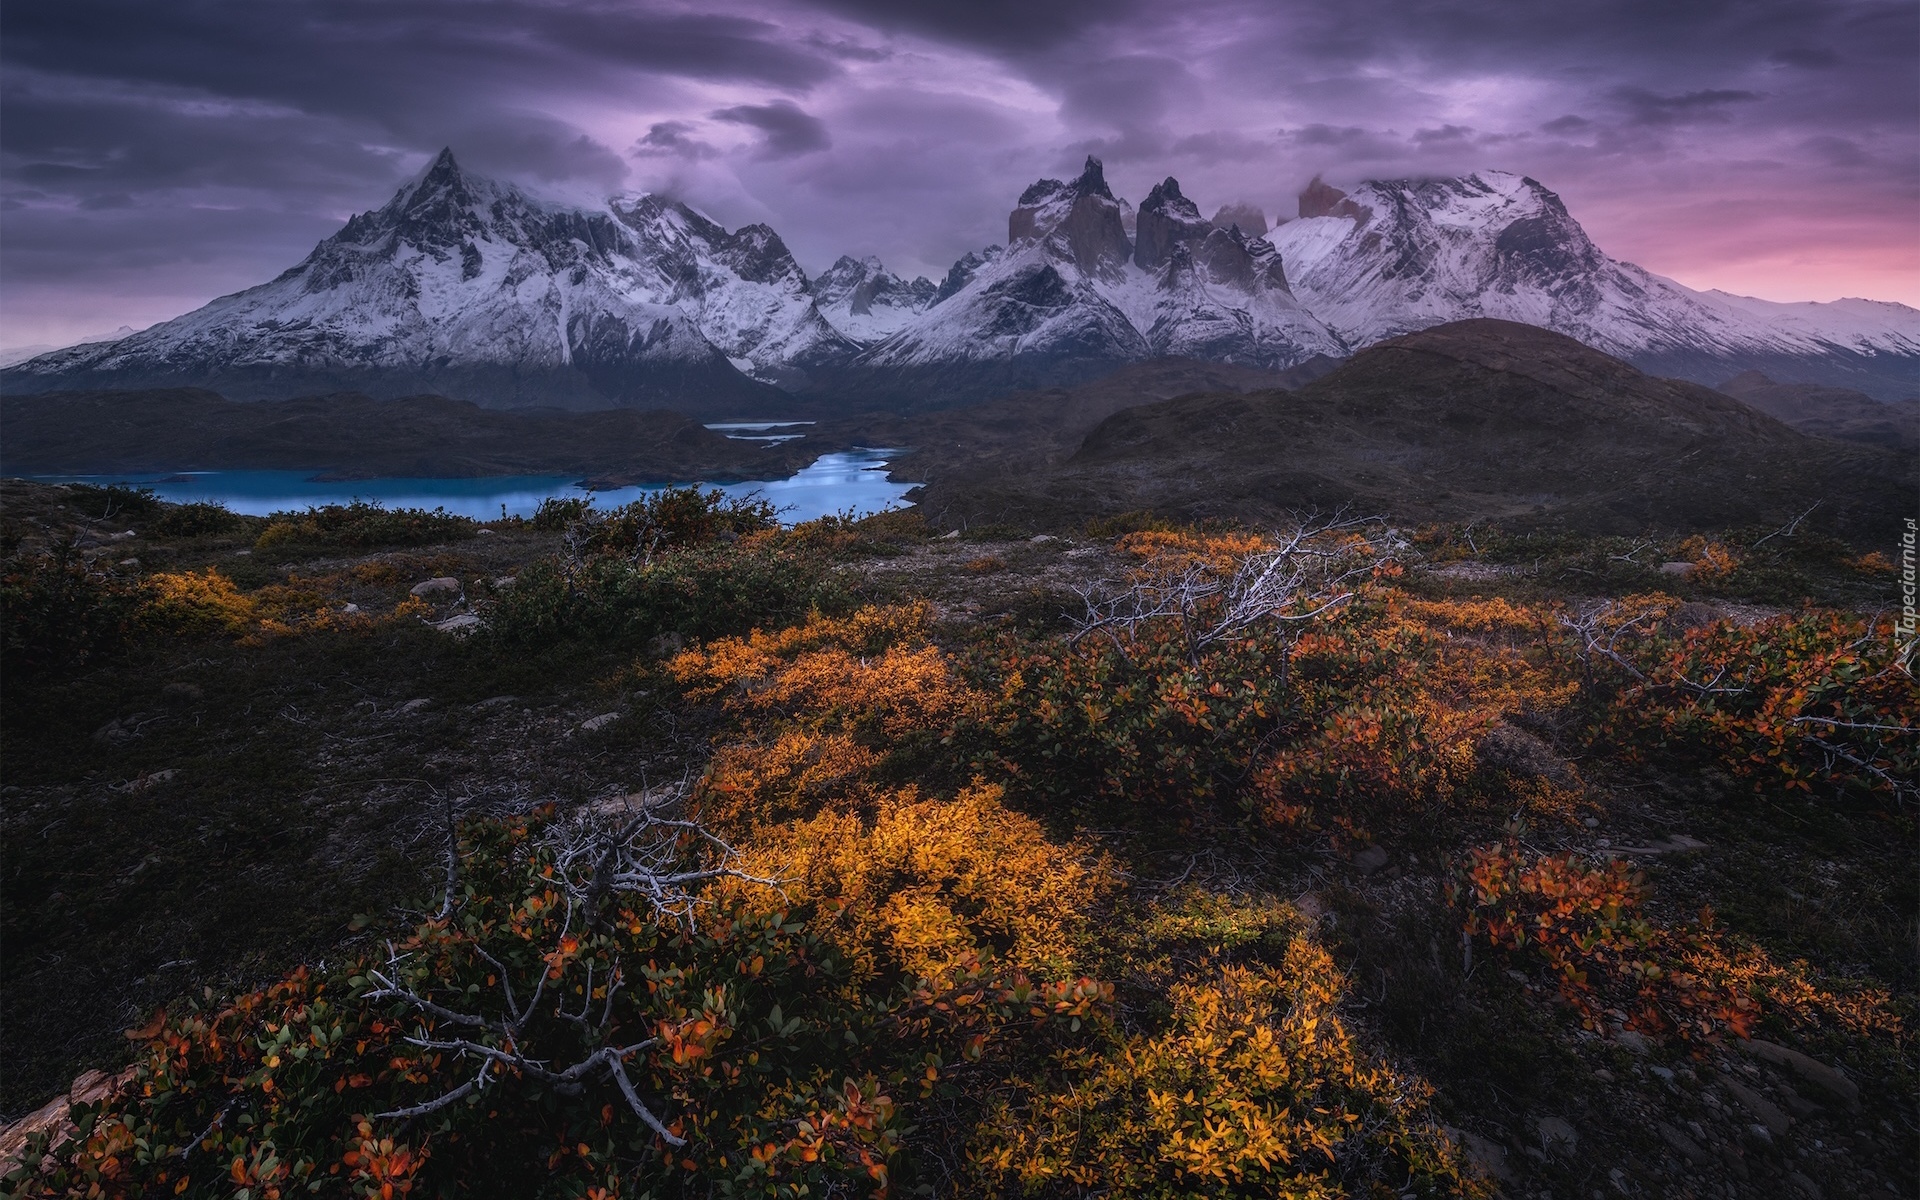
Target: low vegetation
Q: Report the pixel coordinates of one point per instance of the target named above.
(1173, 861)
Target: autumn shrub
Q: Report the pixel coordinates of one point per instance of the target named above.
(830, 712)
(528, 1042)
(59, 613)
(1340, 697)
(926, 885)
(363, 524)
(1253, 1087)
(1586, 924)
(1810, 702)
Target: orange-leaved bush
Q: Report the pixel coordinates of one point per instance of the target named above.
(1585, 923)
(1812, 702)
(1253, 1087)
(821, 708)
(527, 1041)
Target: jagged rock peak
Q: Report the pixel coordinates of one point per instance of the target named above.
(1166, 219)
(1082, 217)
(1320, 199)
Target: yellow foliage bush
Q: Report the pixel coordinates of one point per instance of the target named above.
(1254, 1088)
(820, 706)
(201, 602)
(930, 885)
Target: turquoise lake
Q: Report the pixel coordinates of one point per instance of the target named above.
(855, 481)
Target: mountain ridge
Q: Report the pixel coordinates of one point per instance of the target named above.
(472, 288)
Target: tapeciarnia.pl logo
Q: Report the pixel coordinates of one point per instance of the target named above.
(1905, 639)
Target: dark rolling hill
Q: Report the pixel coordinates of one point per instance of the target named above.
(1479, 419)
(351, 435)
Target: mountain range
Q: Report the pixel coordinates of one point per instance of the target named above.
(471, 288)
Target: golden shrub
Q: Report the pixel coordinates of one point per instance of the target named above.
(927, 885)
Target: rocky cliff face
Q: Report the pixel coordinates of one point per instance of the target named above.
(1082, 217)
(1167, 219)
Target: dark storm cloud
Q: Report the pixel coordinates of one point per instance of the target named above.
(226, 136)
(786, 131)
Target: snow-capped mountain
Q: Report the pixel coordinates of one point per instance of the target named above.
(471, 288)
(474, 289)
(1395, 257)
(866, 302)
(1072, 293)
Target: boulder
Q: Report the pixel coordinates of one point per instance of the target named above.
(442, 586)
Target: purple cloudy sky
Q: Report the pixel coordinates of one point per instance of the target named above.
(155, 155)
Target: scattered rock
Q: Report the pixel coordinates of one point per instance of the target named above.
(350, 609)
(504, 582)
(414, 706)
(950, 535)
(121, 730)
(1681, 569)
(1487, 1156)
(123, 535)
(1556, 1136)
(596, 724)
(483, 531)
(1632, 1040)
(1777, 1123)
(442, 585)
(1679, 843)
(460, 626)
(149, 781)
(666, 645)
(1804, 1184)
(1686, 1146)
(1041, 539)
(1311, 906)
(1524, 754)
(498, 702)
(243, 553)
(51, 1117)
(131, 563)
(1370, 860)
(1812, 1070)
(1592, 822)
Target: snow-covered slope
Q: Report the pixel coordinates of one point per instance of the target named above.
(744, 289)
(866, 302)
(472, 288)
(1394, 257)
(1071, 292)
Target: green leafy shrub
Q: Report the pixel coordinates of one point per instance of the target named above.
(58, 613)
(363, 524)
(114, 501)
(674, 518)
(555, 513)
(198, 519)
(699, 592)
